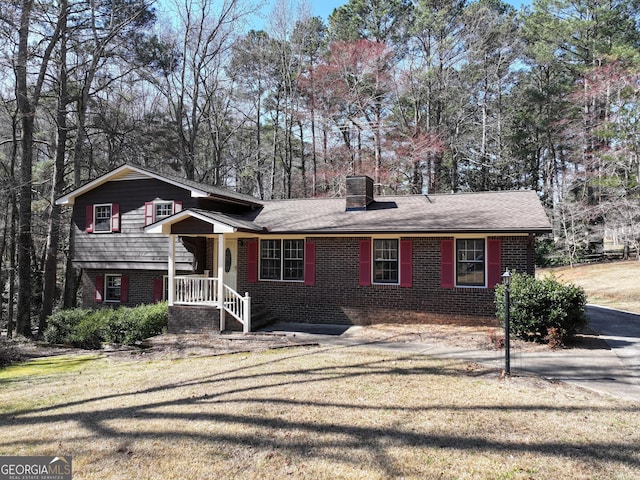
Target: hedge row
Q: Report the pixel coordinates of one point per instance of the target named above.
(85, 328)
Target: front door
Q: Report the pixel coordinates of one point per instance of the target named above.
(231, 263)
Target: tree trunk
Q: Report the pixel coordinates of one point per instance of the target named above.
(12, 267)
(57, 187)
(27, 114)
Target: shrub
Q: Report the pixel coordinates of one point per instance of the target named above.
(144, 322)
(61, 324)
(85, 328)
(88, 334)
(540, 305)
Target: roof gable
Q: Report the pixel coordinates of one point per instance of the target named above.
(195, 220)
(131, 172)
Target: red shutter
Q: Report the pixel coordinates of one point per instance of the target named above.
(158, 289)
(494, 262)
(115, 217)
(99, 292)
(406, 263)
(177, 206)
(88, 219)
(365, 263)
(124, 289)
(252, 261)
(148, 213)
(309, 263)
(447, 264)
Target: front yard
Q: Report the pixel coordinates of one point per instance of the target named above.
(610, 284)
(310, 412)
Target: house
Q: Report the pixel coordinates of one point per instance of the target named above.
(215, 254)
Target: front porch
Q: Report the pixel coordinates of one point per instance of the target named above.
(204, 291)
(212, 238)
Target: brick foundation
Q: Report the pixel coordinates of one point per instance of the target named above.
(193, 319)
(199, 319)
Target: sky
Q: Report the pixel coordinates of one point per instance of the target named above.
(320, 8)
(324, 8)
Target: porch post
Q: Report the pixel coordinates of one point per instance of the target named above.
(221, 280)
(171, 268)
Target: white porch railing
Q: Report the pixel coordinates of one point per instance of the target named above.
(200, 290)
(238, 306)
(196, 290)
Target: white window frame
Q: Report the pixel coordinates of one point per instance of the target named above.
(159, 203)
(484, 262)
(108, 276)
(374, 260)
(95, 217)
(282, 260)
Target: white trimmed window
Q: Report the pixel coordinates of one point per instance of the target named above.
(112, 288)
(162, 210)
(470, 262)
(102, 218)
(386, 266)
(159, 209)
(282, 259)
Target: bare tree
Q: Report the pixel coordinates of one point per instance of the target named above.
(201, 43)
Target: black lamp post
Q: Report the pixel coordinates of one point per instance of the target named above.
(506, 280)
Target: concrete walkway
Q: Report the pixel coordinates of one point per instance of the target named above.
(614, 370)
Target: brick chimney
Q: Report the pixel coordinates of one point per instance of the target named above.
(359, 192)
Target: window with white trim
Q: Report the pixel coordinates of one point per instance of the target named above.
(386, 266)
(282, 259)
(112, 288)
(162, 210)
(102, 218)
(470, 262)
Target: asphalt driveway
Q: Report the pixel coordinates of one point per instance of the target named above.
(612, 368)
(621, 331)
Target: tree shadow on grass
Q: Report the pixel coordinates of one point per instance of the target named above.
(335, 440)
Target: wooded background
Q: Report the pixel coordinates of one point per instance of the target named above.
(425, 96)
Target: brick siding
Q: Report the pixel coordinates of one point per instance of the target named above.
(140, 286)
(337, 296)
(193, 319)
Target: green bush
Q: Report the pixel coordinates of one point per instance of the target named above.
(61, 324)
(88, 329)
(543, 310)
(88, 334)
(144, 322)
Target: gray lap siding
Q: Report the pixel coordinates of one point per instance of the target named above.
(130, 252)
(337, 296)
(130, 246)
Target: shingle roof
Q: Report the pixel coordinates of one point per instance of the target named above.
(499, 212)
(225, 193)
(230, 220)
